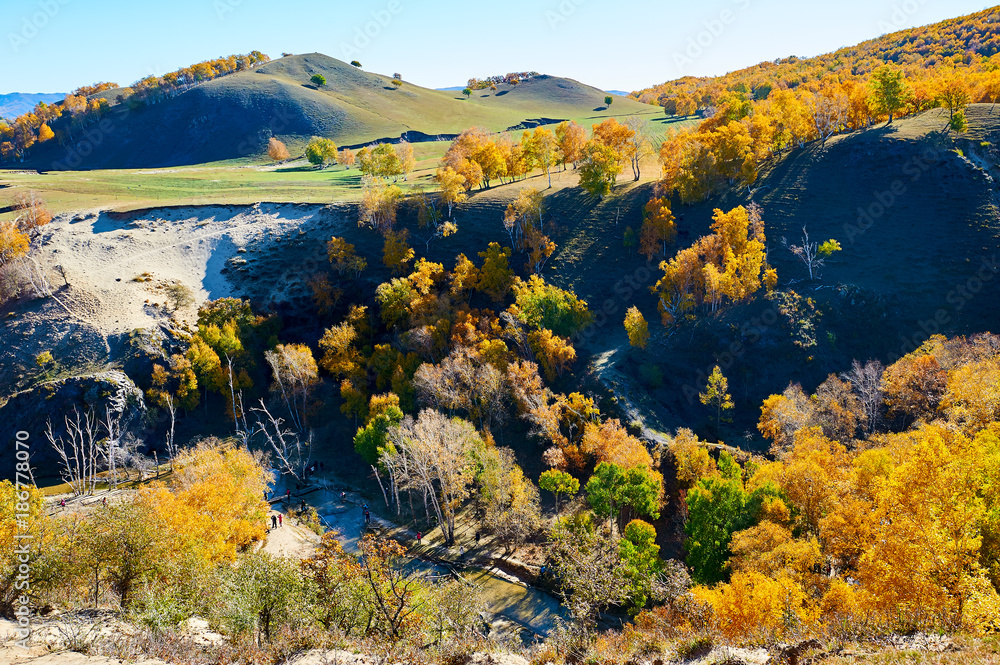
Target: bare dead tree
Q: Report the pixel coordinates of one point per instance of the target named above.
(808, 253)
(79, 451)
(866, 380)
(294, 454)
(171, 444)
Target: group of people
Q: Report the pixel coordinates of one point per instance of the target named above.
(277, 520)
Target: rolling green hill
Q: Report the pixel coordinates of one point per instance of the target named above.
(233, 116)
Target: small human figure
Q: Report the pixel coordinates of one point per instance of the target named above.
(104, 501)
(303, 506)
(288, 494)
(368, 517)
(280, 520)
(477, 538)
(419, 537)
(343, 496)
(62, 503)
(274, 521)
(461, 552)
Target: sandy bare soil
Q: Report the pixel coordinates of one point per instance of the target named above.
(118, 267)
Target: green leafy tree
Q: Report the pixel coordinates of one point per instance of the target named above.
(355, 63)
(467, 92)
(718, 506)
(318, 79)
(641, 558)
(544, 306)
(559, 483)
(889, 91)
(958, 122)
(609, 100)
(614, 492)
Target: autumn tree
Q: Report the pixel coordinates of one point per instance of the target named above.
(452, 186)
(658, 228)
(600, 168)
(13, 242)
(571, 139)
(641, 559)
(379, 204)
(295, 375)
(545, 306)
(321, 152)
(495, 276)
(508, 500)
(343, 257)
(717, 396)
(346, 157)
(31, 212)
(433, 455)
(588, 563)
(396, 251)
(636, 327)
(610, 442)
(541, 150)
(276, 150)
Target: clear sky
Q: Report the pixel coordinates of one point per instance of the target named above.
(58, 45)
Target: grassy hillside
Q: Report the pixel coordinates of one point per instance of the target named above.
(964, 43)
(232, 117)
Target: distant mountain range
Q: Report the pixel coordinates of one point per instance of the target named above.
(14, 104)
(620, 93)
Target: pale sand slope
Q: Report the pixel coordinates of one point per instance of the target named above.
(266, 252)
(189, 245)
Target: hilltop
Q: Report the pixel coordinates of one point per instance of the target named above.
(233, 116)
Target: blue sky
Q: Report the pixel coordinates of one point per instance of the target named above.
(57, 45)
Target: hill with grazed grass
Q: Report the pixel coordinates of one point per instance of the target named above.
(233, 116)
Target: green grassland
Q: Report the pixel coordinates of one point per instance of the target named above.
(249, 179)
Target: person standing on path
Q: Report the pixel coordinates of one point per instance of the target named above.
(419, 537)
(280, 520)
(274, 521)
